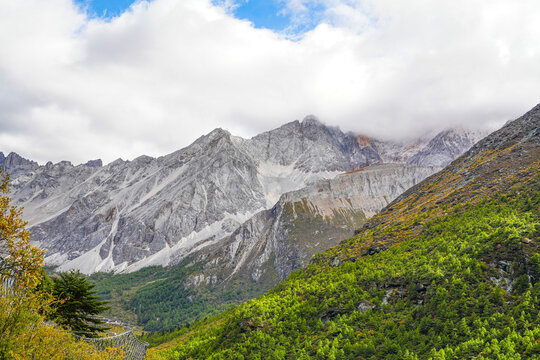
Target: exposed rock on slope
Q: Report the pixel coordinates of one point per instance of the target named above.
(305, 222)
(446, 146)
(128, 211)
(312, 147)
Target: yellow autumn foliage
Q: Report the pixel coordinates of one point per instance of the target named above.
(24, 331)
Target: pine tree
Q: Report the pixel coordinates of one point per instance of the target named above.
(78, 306)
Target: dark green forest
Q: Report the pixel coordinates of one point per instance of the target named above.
(156, 299)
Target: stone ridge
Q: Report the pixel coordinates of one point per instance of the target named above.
(445, 147)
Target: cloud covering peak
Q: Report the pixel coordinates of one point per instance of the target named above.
(155, 78)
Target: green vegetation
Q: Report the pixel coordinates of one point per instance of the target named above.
(77, 306)
(119, 289)
(155, 297)
(439, 281)
(164, 303)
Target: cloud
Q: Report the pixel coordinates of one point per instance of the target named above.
(164, 72)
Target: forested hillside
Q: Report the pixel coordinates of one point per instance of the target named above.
(449, 270)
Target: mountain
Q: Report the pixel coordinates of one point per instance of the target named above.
(449, 270)
(305, 222)
(14, 164)
(153, 211)
(445, 147)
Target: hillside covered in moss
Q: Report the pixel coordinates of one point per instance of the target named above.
(449, 270)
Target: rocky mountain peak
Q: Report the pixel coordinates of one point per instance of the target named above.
(117, 162)
(94, 163)
(311, 120)
(446, 146)
(14, 159)
(218, 133)
(142, 160)
(14, 164)
(131, 214)
(212, 139)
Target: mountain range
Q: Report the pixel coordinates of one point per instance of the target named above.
(155, 211)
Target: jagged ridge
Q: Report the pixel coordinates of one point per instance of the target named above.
(131, 214)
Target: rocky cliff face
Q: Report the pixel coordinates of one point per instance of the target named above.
(271, 244)
(15, 165)
(130, 214)
(310, 146)
(446, 146)
(107, 218)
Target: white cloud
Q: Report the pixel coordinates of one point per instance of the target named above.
(167, 71)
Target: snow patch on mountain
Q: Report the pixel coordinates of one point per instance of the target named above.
(278, 179)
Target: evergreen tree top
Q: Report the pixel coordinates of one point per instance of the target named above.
(78, 306)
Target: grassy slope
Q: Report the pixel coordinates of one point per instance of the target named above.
(314, 233)
(450, 270)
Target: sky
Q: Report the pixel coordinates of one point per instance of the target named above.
(112, 79)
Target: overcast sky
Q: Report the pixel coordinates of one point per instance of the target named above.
(79, 81)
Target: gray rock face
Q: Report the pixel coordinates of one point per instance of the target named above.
(446, 146)
(150, 211)
(312, 147)
(271, 244)
(102, 219)
(16, 165)
(94, 163)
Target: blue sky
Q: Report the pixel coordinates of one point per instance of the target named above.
(105, 8)
(263, 14)
(269, 14)
(273, 14)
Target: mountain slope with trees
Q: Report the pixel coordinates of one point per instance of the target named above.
(449, 270)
